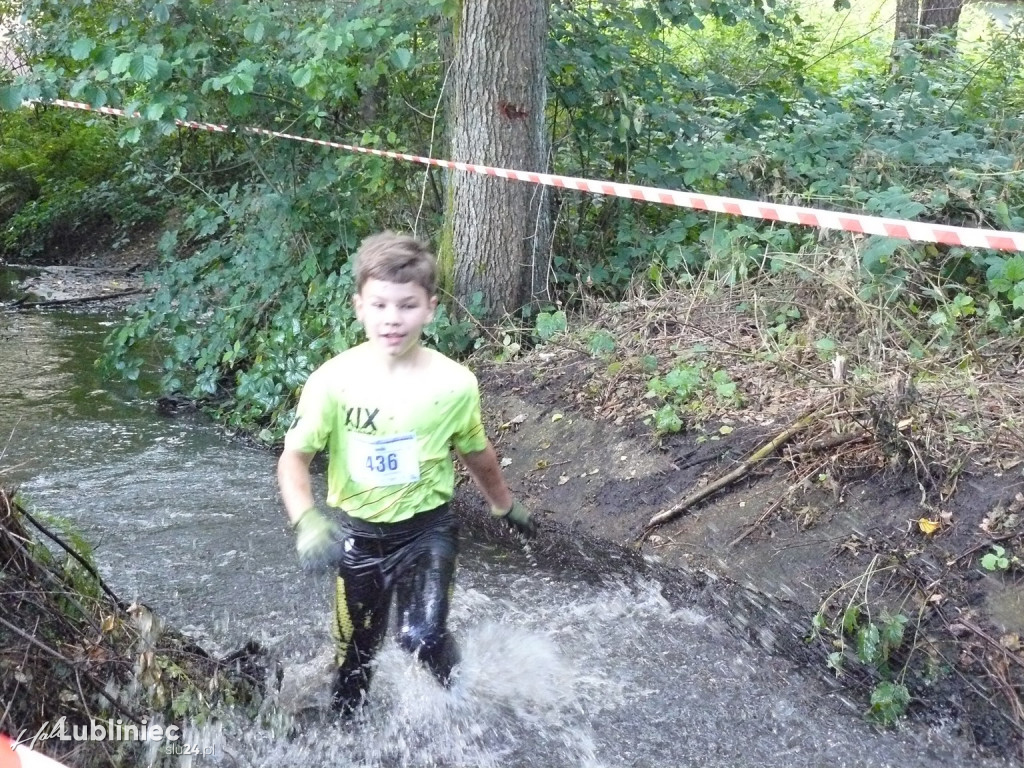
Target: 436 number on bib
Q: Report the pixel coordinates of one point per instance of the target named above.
(382, 463)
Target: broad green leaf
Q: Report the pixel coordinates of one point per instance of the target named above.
(1013, 270)
(161, 12)
(825, 346)
(131, 136)
(10, 97)
(81, 48)
(402, 57)
(241, 83)
(889, 702)
(877, 254)
(851, 616)
(550, 324)
(153, 111)
(647, 19)
(835, 661)
(144, 67)
(254, 32)
(301, 77)
(121, 63)
(892, 632)
(95, 95)
(868, 640)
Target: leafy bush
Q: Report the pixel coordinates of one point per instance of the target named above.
(63, 183)
(724, 98)
(816, 122)
(254, 292)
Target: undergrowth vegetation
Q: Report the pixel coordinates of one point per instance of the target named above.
(64, 186)
(76, 655)
(734, 101)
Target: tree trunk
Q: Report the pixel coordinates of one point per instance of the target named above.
(907, 23)
(496, 233)
(938, 15)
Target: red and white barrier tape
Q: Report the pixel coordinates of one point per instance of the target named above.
(810, 217)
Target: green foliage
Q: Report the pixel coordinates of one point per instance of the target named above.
(253, 290)
(785, 111)
(457, 335)
(889, 702)
(683, 388)
(601, 343)
(997, 559)
(872, 644)
(550, 324)
(725, 97)
(667, 421)
(63, 184)
(876, 639)
(241, 327)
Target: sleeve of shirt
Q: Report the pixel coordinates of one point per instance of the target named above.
(469, 436)
(314, 417)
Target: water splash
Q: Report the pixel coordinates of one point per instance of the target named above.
(516, 695)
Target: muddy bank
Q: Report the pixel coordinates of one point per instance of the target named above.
(860, 574)
(113, 276)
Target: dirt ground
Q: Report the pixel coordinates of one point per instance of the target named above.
(782, 545)
(845, 525)
(109, 275)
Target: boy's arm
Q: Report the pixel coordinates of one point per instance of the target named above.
(486, 473)
(295, 483)
(317, 539)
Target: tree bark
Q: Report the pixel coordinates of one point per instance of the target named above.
(920, 19)
(938, 15)
(496, 234)
(908, 13)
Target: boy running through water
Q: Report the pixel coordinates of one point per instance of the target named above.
(389, 412)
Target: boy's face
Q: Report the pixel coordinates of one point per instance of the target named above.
(394, 314)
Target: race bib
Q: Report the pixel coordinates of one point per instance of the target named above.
(379, 461)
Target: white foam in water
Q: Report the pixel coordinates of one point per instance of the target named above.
(515, 692)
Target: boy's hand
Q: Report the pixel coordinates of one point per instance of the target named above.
(318, 541)
(518, 519)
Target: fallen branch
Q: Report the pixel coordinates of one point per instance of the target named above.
(741, 471)
(22, 304)
(830, 442)
(81, 560)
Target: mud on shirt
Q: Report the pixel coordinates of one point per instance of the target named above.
(389, 445)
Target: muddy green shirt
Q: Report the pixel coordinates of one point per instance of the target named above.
(389, 449)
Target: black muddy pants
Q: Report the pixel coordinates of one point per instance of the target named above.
(411, 563)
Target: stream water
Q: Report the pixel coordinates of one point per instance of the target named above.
(558, 670)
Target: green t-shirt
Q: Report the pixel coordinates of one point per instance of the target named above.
(389, 446)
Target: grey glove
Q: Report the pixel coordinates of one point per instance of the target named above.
(518, 518)
(318, 541)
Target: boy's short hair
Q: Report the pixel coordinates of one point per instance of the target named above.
(395, 258)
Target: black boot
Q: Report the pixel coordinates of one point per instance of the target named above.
(349, 691)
